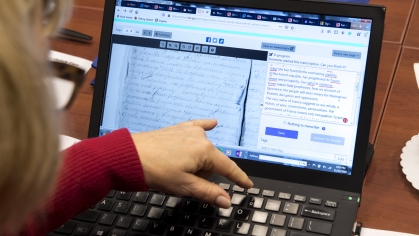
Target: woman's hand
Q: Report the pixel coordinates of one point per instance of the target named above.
(177, 158)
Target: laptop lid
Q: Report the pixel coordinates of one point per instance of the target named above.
(291, 83)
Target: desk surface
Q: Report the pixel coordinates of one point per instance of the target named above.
(389, 201)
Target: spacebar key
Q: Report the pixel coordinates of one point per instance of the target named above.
(318, 213)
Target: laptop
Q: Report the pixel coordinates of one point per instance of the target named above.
(291, 84)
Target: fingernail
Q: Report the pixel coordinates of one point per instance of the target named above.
(223, 202)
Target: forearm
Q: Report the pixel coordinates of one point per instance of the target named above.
(89, 171)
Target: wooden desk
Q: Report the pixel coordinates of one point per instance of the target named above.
(412, 34)
(389, 202)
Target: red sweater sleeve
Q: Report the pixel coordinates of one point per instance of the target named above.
(90, 169)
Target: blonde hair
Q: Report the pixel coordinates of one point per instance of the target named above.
(29, 156)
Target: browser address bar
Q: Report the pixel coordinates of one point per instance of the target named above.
(229, 21)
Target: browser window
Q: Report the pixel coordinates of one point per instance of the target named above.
(285, 87)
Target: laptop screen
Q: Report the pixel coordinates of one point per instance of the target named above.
(285, 87)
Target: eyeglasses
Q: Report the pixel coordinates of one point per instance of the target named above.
(66, 83)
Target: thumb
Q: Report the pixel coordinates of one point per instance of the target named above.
(208, 192)
(205, 124)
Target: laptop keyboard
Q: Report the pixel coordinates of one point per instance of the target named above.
(254, 212)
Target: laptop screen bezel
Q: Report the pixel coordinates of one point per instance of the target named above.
(351, 183)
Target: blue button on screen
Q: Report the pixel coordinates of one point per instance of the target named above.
(283, 133)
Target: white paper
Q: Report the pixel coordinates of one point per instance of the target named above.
(376, 232)
(67, 141)
(71, 60)
(416, 68)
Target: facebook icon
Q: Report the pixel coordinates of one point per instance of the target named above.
(208, 40)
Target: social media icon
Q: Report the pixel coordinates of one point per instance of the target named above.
(238, 153)
(274, 18)
(142, 5)
(337, 24)
(289, 19)
(259, 17)
(170, 8)
(208, 40)
(156, 6)
(228, 13)
(244, 16)
(221, 41)
(214, 40)
(228, 152)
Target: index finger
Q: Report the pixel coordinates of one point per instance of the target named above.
(219, 163)
(205, 124)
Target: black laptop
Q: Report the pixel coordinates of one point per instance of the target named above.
(291, 84)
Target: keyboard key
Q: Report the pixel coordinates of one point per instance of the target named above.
(272, 205)
(193, 232)
(207, 233)
(260, 217)
(286, 196)
(299, 234)
(226, 187)
(88, 216)
(123, 196)
(175, 231)
(255, 202)
(224, 212)
(254, 191)
(141, 197)
(191, 206)
(238, 199)
(172, 216)
(224, 225)
(82, 230)
(188, 220)
(174, 202)
(105, 205)
(291, 208)
(140, 225)
(278, 220)
(238, 189)
(100, 231)
(123, 222)
(300, 198)
(278, 232)
(118, 232)
(206, 222)
(138, 210)
(122, 207)
(296, 223)
(155, 213)
(111, 194)
(268, 193)
(242, 228)
(107, 219)
(318, 213)
(66, 228)
(331, 204)
(157, 228)
(259, 230)
(157, 199)
(207, 209)
(315, 201)
(242, 214)
(319, 227)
